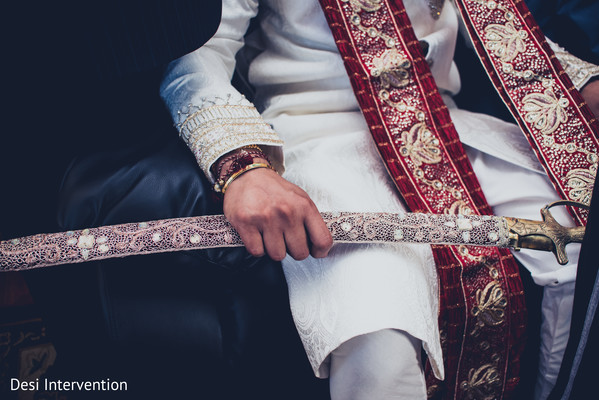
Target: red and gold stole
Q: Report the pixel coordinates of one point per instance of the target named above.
(482, 310)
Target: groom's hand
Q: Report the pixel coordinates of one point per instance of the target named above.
(275, 217)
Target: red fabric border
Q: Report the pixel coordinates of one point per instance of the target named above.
(454, 318)
(586, 114)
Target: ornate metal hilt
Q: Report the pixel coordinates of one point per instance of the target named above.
(546, 235)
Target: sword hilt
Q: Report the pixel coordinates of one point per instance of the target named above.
(546, 235)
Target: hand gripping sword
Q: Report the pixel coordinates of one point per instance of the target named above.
(204, 232)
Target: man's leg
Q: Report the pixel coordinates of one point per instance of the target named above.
(385, 364)
(555, 330)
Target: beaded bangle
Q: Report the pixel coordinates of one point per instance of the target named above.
(239, 161)
(237, 174)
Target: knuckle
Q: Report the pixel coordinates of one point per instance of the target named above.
(284, 212)
(327, 243)
(328, 239)
(255, 251)
(321, 247)
(237, 219)
(305, 203)
(247, 219)
(301, 255)
(300, 192)
(277, 256)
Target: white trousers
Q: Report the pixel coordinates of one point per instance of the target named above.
(383, 365)
(556, 311)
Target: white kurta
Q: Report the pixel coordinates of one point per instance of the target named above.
(302, 90)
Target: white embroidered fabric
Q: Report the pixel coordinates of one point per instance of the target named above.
(217, 126)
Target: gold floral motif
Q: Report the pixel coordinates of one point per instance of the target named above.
(545, 111)
(365, 5)
(391, 69)
(482, 383)
(581, 183)
(459, 207)
(491, 302)
(420, 145)
(505, 41)
(464, 251)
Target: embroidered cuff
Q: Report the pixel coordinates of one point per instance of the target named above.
(579, 71)
(212, 131)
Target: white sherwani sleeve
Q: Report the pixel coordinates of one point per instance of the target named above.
(579, 71)
(212, 117)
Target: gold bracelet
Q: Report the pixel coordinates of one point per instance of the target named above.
(218, 188)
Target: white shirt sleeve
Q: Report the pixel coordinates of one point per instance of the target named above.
(212, 117)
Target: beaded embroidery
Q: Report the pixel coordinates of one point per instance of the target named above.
(402, 111)
(545, 107)
(214, 128)
(210, 231)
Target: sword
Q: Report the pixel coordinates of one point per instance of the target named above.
(211, 231)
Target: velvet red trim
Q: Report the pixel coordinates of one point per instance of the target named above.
(581, 110)
(460, 280)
